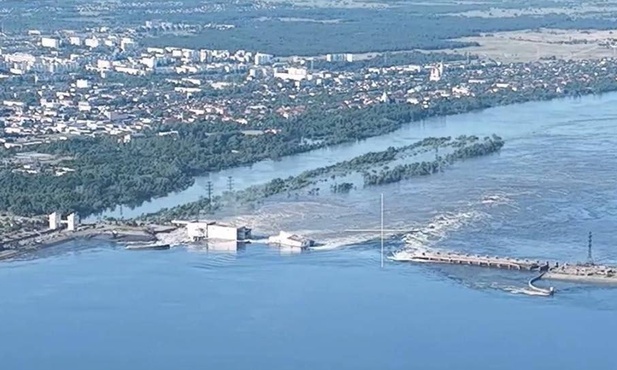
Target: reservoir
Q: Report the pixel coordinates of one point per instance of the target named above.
(97, 306)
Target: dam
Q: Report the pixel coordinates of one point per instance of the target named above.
(467, 259)
(576, 272)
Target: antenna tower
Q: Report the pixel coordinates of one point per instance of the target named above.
(381, 230)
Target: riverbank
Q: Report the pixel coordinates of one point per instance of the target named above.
(507, 120)
(118, 233)
(586, 279)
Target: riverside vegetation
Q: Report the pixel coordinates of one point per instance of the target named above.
(461, 148)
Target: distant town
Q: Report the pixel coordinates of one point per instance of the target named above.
(103, 82)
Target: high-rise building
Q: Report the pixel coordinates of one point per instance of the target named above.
(436, 72)
(49, 42)
(82, 84)
(75, 40)
(262, 59)
(339, 57)
(92, 42)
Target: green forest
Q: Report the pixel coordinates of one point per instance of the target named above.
(465, 150)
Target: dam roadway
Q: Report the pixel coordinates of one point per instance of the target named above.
(467, 259)
(582, 273)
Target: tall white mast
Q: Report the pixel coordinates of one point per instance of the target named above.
(382, 236)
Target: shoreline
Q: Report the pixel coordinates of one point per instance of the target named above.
(112, 233)
(113, 211)
(588, 279)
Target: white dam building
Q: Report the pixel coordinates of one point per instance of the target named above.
(203, 230)
(290, 240)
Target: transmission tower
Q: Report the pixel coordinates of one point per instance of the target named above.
(589, 255)
(209, 190)
(230, 184)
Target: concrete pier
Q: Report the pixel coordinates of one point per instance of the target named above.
(588, 273)
(466, 259)
(12, 246)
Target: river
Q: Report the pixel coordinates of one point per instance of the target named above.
(97, 306)
(510, 122)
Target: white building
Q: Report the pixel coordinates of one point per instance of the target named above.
(72, 222)
(201, 230)
(49, 42)
(190, 54)
(149, 62)
(155, 50)
(436, 73)
(92, 42)
(290, 240)
(54, 221)
(339, 58)
(103, 64)
(262, 59)
(82, 84)
(126, 44)
(75, 40)
(292, 73)
(205, 56)
(84, 106)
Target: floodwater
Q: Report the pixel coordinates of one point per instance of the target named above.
(98, 306)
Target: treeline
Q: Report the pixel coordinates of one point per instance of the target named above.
(344, 187)
(408, 171)
(365, 30)
(108, 173)
(357, 164)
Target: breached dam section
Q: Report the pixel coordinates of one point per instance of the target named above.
(466, 259)
(582, 273)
